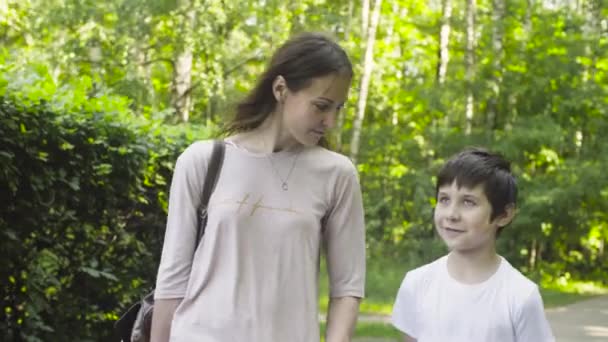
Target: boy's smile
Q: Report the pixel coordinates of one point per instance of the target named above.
(462, 218)
(476, 197)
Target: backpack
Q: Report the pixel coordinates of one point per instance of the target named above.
(136, 323)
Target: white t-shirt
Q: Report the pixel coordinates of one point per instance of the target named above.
(433, 307)
(254, 277)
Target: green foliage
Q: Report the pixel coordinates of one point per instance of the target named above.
(88, 140)
(83, 209)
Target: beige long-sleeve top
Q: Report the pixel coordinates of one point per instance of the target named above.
(254, 277)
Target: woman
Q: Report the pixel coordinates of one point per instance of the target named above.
(279, 198)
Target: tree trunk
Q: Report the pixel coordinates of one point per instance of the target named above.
(368, 65)
(443, 54)
(532, 258)
(182, 81)
(58, 43)
(592, 29)
(364, 19)
(341, 117)
(182, 75)
(95, 58)
(470, 65)
(498, 14)
(390, 39)
(144, 74)
(444, 40)
(528, 19)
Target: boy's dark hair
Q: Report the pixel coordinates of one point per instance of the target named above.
(475, 166)
(299, 60)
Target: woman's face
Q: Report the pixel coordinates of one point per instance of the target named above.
(310, 113)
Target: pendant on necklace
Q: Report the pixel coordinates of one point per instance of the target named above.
(284, 186)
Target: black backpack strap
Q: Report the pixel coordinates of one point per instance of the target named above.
(213, 171)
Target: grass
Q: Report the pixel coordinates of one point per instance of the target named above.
(368, 329)
(557, 294)
(383, 281)
(384, 278)
(556, 298)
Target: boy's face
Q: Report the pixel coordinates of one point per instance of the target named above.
(462, 218)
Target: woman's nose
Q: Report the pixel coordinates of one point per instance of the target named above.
(330, 120)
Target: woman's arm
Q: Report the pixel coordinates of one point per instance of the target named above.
(408, 338)
(161, 319)
(341, 319)
(180, 235)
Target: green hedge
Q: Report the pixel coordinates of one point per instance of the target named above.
(81, 222)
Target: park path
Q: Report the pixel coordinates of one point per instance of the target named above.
(584, 321)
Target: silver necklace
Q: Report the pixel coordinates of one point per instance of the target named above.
(284, 184)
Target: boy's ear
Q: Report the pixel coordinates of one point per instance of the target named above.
(507, 216)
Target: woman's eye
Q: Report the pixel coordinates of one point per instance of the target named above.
(469, 202)
(322, 107)
(443, 200)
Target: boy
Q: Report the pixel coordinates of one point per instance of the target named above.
(472, 294)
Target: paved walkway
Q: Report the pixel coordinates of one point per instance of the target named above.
(585, 321)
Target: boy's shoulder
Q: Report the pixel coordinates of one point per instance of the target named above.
(516, 281)
(427, 272)
(510, 278)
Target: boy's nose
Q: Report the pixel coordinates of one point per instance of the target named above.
(453, 214)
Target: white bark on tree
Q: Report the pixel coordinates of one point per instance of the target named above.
(470, 65)
(368, 65)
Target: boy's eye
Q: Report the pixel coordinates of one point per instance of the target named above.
(443, 200)
(469, 202)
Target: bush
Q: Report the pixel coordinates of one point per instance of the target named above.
(82, 218)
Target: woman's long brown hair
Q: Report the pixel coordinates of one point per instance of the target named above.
(299, 60)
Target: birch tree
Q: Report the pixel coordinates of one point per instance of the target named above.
(368, 65)
(470, 64)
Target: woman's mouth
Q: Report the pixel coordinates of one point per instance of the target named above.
(318, 133)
